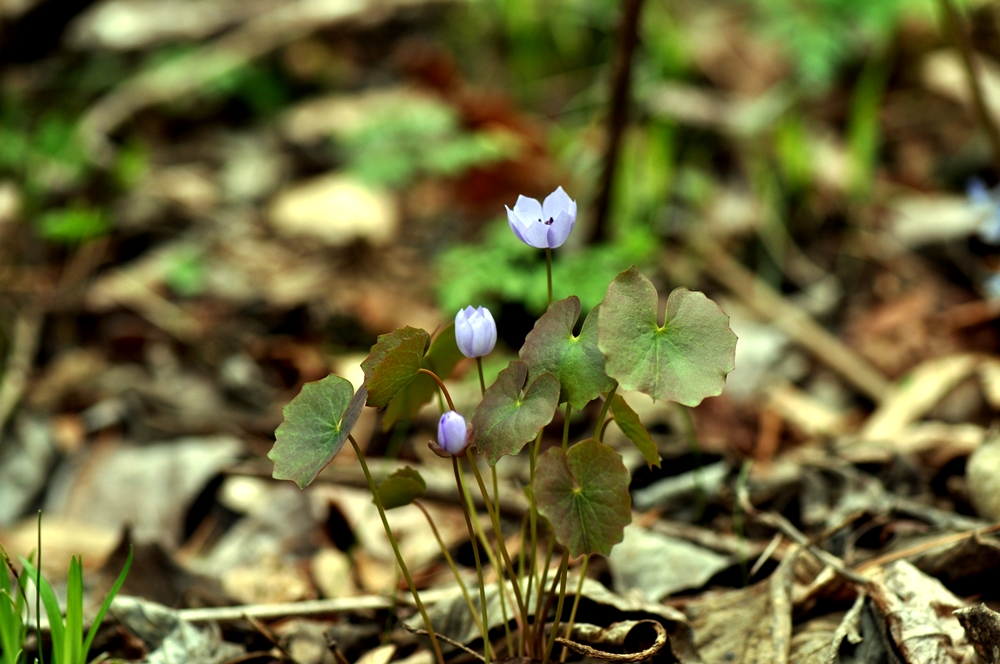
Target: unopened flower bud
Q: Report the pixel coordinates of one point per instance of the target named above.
(475, 331)
(452, 433)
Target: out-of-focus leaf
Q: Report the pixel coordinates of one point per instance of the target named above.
(629, 423)
(401, 488)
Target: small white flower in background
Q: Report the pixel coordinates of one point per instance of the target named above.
(543, 225)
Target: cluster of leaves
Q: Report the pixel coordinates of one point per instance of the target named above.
(395, 145)
(69, 644)
(583, 490)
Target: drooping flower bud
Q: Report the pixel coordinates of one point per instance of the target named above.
(543, 225)
(475, 331)
(452, 433)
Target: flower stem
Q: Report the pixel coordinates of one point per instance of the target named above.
(604, 427)
(395, 549)
(559, 606)
(604, 410)
(454, 569)
(565, 441)
(484, 627)
(495, 518)
(504, 593)
(533, 514)
(576, 604)
(541, 611)
(548, 270)
(482, 382)
(437, 379)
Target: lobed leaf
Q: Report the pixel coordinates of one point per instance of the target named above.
(441, 358)
(393, 363)
(632, 427)
(401, 488)
(505, 419)
(685, 360)
(576, 361)
(584, 495)
(316, 425)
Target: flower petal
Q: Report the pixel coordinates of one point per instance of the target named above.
(515, 225)
(537, 235)
(529, 210)
(560, 229)
(556, 202)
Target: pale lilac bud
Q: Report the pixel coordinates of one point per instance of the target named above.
(452, 433)
(543, 225)
(475, 331)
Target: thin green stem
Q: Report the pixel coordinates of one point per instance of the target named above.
(504, 593)
(565, 440)
(576, 604)
(437, 379)
(38, 593)
(395, 549)
(484, 626)
(604, 428)
(496, 500)
(454, 568)
(559, 606)
(533, 514)
(548, 270)
(495, 518)
(604, 410)
(540, 610)
(741, 482)
(482, 381)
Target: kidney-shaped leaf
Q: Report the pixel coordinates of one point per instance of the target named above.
(401, 488)
(584, 495)
(685, 360)
(632, 427)
(393, 363)
(506, 419)
(576, 361)
(316, 425)
(441, 358)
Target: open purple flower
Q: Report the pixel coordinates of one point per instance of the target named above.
(452, 433)
(475, 331)
(543, 225)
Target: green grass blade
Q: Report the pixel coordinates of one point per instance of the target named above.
(74, 615)
(56, 626)
(107, 603)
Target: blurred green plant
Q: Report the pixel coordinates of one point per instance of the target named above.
(503, 269)
(395, 145)
(73, 225)
(819, 36)
(13, 615)
(69, 645)
(43, 155)
(184, 271)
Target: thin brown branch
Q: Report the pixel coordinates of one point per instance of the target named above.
(621, 85)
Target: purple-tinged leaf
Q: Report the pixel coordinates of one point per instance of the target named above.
(393, 364)
(441, 358)
(632, 427)
(401, 488)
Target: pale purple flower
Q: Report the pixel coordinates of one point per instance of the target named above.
(475, 331)
(543, 225)
(452, 433)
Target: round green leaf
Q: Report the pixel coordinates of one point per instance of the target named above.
(584, 495)
(441, 358)
(505, 419)
(576, 361)
(317, 422)
(401, 488)
(393, 363)
(685, 360)
(632, 427)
